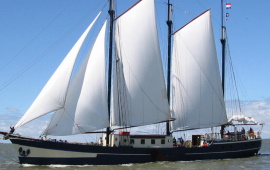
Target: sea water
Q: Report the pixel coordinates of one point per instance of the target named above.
(9, 161)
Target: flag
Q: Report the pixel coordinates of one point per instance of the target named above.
(228, 5)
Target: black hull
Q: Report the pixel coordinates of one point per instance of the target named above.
(33, 151)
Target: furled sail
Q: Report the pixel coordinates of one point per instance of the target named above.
(197, 98)
(242, 119)
(86, 105)
(53, 95)
(139, 85)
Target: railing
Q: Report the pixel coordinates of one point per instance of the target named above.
(233, 136)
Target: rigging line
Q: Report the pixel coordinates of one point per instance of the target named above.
(82, 131)
(203, 7)
(33, 39)
(15, 77)
(44, 133)
(230, 93)
(246, 95)
(69, 115)
(243, 90)
(233, 72)
(45, 53)
(175, 7)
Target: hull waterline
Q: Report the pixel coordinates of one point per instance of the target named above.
(40, 152)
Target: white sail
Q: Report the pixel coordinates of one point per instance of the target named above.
(86, 105)
(62, 121)
(53, 95)
(197, 98)
(140, 97)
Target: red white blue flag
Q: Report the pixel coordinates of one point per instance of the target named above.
(228, 5)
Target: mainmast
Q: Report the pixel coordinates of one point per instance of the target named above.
(111, 12)
(169, 23)
(223, 43)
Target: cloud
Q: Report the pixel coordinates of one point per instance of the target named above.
(258, 109)
(12, 110)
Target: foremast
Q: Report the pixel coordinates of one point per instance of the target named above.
(169, 23)
(112, 16)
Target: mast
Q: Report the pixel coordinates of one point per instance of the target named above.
(111, 12)
(223, 43)
(169, 23)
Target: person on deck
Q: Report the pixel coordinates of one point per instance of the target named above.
(251, 133)
(243, 130)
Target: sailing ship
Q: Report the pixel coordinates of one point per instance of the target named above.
(134, 95)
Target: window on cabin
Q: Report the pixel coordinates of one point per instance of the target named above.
(153, 141)
(142, 141)
(162, 141)
(131, 141)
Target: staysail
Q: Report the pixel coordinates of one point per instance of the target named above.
(53, 95)
(139, 90)
(197, 98)
(86, 106)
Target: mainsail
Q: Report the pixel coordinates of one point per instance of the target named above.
(53, 95)
(197, 98)
(139, 90)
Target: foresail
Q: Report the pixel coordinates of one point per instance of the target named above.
(53, 95)
(197, 99)
(86, 106)
(139, 86)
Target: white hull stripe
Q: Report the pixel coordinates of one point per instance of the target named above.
(221, 152)
(52, 153)
(244, 141)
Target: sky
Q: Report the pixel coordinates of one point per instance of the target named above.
(36, 35)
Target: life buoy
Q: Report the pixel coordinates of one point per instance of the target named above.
(188, 144)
